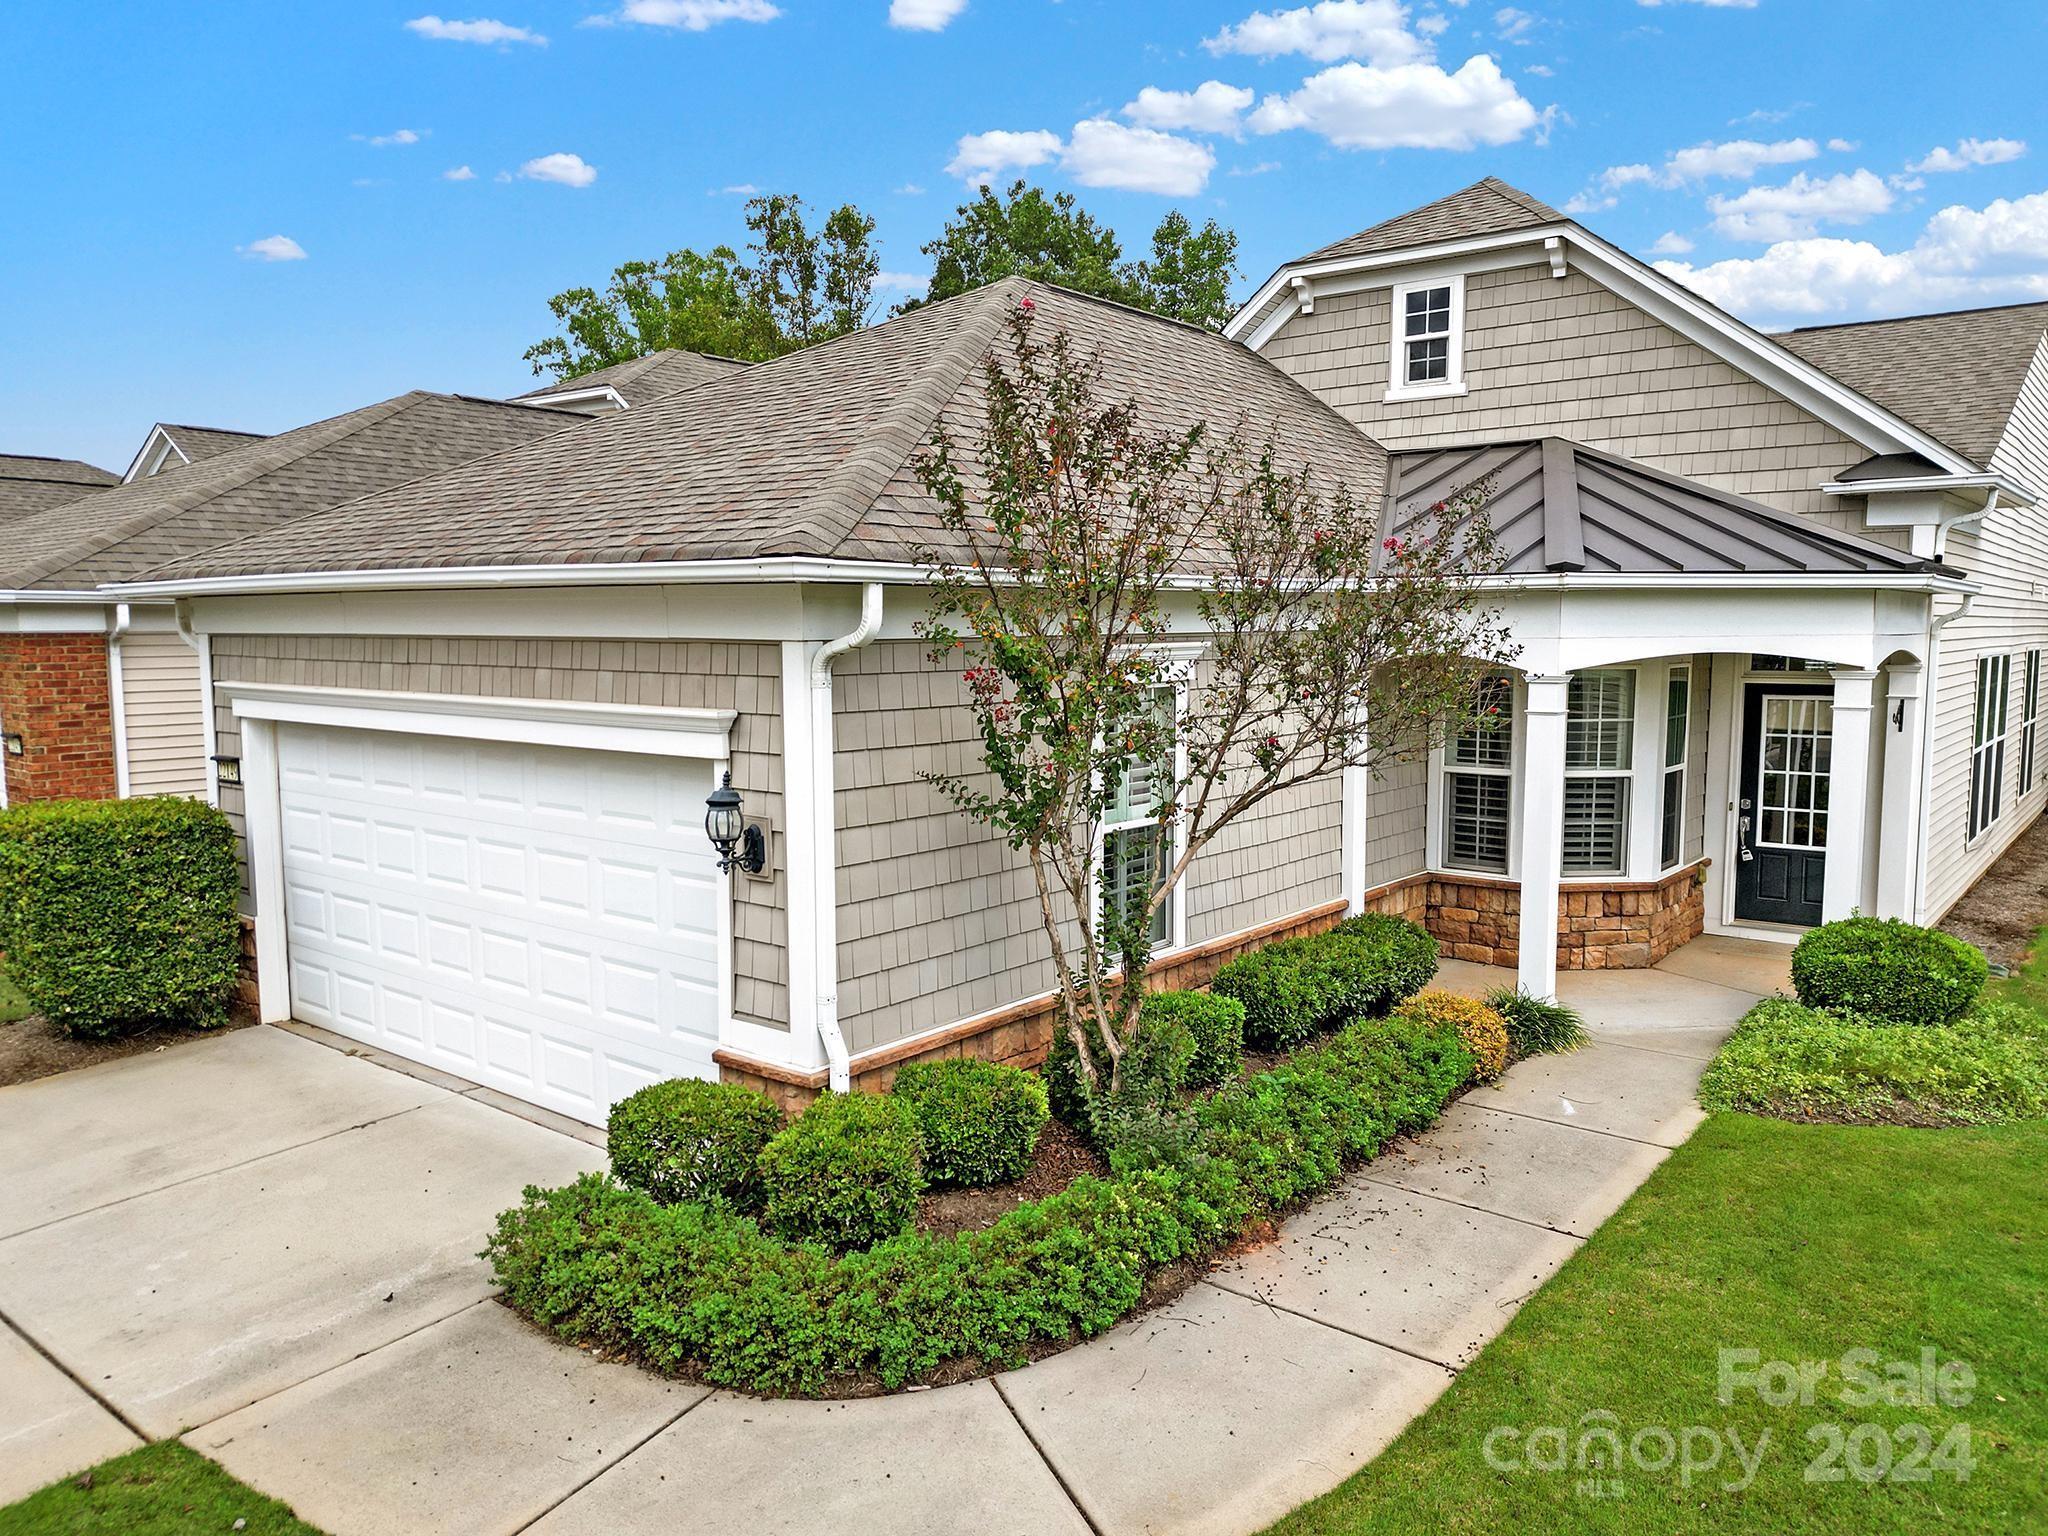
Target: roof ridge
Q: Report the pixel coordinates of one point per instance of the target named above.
(193, 426)
(1932, 314)
(153, 512)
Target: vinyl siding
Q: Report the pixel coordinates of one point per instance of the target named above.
(2008, 554)
(675, 674)
(160, 716)
(1569, 357)
(1397, 821)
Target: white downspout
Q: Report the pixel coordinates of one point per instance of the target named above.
(116, 698)
(202, 646)
(1935, 626)
(825, 836)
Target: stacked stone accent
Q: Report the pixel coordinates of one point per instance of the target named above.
(1623, 926)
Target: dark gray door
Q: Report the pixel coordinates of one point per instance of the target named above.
(1781, 861)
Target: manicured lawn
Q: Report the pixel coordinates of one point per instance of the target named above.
(160, 1490)
(1798, 1242)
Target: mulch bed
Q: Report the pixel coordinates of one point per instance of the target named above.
(2009, 905)
(33, 1048)
(1061, 1158)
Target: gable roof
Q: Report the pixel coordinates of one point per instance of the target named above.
(124, 530)
(1488, 207)
(1557, 505)
(175, 445)
(811, 455)
(29, 483)
(639, 380)
(1956, 376)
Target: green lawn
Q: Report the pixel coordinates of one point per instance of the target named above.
(1798, 1242)
(160, 1490)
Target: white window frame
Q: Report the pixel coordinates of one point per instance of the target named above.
(1453, 382)
(2030, 719)
(1988, 730)
(1625, 774)
(1176, 907)
(1448, 768)
(1678, 672)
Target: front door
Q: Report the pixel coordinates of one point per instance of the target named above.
(1782, 817)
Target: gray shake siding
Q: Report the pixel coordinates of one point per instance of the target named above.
(676, 674)
(1568, 356)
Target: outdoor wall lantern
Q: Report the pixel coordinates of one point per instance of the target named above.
(12, 741)
(227, 770)
(739, 844)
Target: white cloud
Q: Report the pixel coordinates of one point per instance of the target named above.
(1543, 71)
(1963, 256)
(1733, 160)
(1970, 153)
(1411, 106)
(736, 189)
(1435, 24)
(1261, 169)
(924, 15)
(980, 158)
(1376, 30)
(1513, 25)
(1797, 209)
(459, 173)
(1843, 146)
(1726, 5)
(693, 15)
(1105, 153)
(908, 189)
(1671, 243)
(903, 282)
(568, 170)
(399, 136)
(483, 30)
(1211, 107)
(273, 248)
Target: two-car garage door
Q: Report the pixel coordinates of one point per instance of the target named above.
(542, 920)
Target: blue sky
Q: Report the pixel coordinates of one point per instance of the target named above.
(254, 215)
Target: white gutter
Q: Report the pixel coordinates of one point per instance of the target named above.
(823, 828)
(116, 698)
(202, 646)
(1994, 483)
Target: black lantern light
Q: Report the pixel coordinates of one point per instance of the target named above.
(739, 844)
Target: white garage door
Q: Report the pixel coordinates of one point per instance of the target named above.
(538, 919)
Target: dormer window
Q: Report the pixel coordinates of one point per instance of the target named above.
(1428, 339)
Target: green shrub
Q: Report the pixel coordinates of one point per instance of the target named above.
(1483, 1031)
(845, 1172)
(1298, 987)
(1883, 968)
(1796, 1062)
(693, 1140)
(1217, 1025)
(705, 1289)
(119, 915)
(1065, 1094)
(1537, 1026)
(979, 1121)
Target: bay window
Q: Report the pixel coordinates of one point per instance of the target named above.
(1677, 745)
(1600, 710)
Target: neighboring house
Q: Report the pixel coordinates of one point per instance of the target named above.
(168, 447)
(1779, 626)
(637, 382)
(29, 483)
(101, 697)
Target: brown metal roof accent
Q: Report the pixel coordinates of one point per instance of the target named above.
(1564, 545)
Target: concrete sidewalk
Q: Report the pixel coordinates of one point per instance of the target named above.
(302, 1301)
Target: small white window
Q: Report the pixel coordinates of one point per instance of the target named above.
(1677, 741)
(1133, 842)
(2030, 718)
(1428, 347)
(1479, 780)
(1987, 742)
(1599, 745)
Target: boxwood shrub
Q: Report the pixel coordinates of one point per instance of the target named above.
(1216, 1025)
(705, 1290)
(118, 915)
(1297, 987)
(1885, 968)
(978, 1120)
(845, 1172)
(1480, 1026)
(693, 1140)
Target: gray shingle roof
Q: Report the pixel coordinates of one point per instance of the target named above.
(197, 443)
(30, 483)
(643, 379)
(1488, 207)
(122, 531)
(1955, 376)
(1557, 505)
(809, 455)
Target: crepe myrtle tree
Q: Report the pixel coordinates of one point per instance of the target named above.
(1082, 550)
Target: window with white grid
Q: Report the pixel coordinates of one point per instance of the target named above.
(1677, 741)
(1133, 842)
(2030, 717)
(1599, 737)
(1987, 742)
(1479, 780)
(1427, 354)
(1795, 755)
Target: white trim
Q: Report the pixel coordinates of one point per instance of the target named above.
(699, 733)
(136, 471)
(1913, 483)
(568, 398)
(263, 826)
(1453, 382)
(117, 700)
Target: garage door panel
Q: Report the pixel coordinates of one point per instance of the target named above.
(541, 920)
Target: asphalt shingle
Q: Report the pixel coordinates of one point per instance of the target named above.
(640, 380)
(30, 483)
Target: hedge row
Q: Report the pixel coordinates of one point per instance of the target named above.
(703, 1289)
(1298, 987)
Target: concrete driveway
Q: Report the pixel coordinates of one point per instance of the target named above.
(268, 1246)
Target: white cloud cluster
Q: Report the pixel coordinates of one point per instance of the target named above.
(399, 136)
(983, 158)
(458, 173)
(924, 15)
(694, 15)
(563, 169)
(1797, 209)
(1962, 256)
(273, 248)
(1407, 106)
(1725, 5)
(1211, 107)
(1969, 154)
(1326, 32)
(1106, 153)
(483, 30)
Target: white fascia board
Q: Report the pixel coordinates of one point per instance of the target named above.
(2018, 490)
(158, 439)
(1749, 581)
(1692, 317)
(636, 573)
(563, 399)
(660, 732)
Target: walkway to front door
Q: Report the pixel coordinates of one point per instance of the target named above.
(269, 1246)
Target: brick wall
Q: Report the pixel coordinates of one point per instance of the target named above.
(54, 695)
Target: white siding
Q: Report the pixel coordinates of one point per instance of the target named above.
(160, 710)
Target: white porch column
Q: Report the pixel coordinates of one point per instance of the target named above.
(1356, 796)
(1848, 795)
(1542, 850)
(1898, 817)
